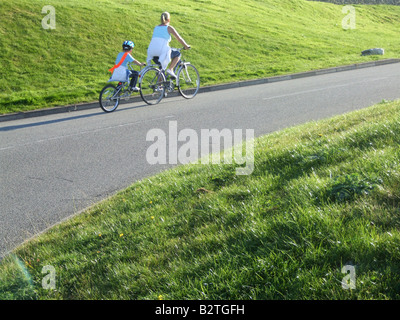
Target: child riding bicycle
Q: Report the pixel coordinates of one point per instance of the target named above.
(120, 72)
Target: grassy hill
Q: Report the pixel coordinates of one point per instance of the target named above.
(231, 40)
(322, 195)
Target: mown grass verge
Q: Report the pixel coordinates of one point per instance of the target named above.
(231, 40)
(322, 195)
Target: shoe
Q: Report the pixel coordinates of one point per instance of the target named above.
(134, 89)
(171, 73)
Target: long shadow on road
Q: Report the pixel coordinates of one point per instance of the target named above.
(42, 123)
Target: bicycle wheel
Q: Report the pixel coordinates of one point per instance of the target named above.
(188, 81)
(109, 98)
(152, 86)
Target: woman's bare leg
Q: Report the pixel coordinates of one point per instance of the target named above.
(174, 62)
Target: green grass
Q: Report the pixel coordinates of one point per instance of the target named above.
(322, 195)
(231, 40)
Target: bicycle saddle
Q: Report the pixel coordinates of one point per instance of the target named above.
(156, 60)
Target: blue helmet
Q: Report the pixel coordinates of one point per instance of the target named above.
(128, 45)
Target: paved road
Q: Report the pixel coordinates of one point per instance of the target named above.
(54, 166)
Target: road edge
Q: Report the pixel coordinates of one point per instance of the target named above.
(225, 86)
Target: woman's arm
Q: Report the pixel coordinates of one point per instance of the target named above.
(172, 31)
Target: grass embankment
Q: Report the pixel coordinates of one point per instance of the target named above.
(231, 40)
(322, 195)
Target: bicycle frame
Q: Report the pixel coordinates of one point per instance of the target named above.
(180, 64)
(153, 79)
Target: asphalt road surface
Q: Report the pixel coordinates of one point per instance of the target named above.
(54, 166)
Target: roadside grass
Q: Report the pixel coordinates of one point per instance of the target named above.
(322, 195)
(231, 40)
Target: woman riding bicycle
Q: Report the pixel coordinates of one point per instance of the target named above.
(159, 45)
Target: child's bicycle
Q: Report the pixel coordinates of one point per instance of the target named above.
(154, 83)
(111, 95)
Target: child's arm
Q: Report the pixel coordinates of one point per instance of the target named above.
(133, 60)
(139, 63)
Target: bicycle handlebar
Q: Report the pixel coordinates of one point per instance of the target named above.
(183, 48)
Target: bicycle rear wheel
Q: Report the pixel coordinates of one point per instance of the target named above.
(152, 86)
(188, 81)
(109, 98)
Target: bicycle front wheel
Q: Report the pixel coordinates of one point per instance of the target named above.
(109, 98)
(152, 86)
(188, 81)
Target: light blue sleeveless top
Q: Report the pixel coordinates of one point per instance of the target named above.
(162, 32)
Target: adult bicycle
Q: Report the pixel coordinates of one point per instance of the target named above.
(154, 83)
(111, 95)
